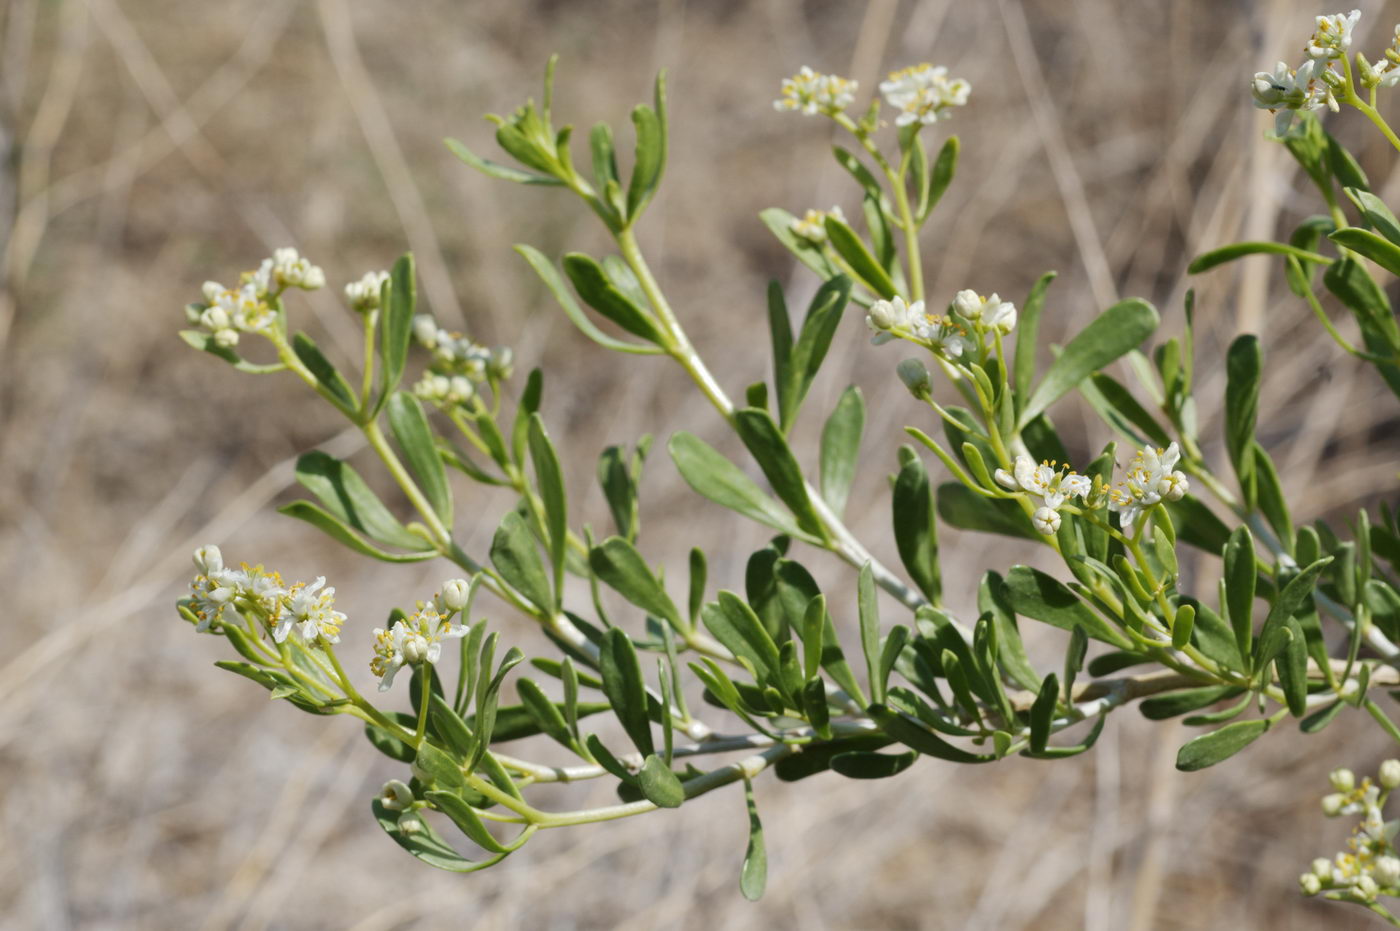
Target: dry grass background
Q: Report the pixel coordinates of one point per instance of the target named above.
(154, 143)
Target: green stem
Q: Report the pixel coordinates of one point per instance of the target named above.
(360, 701)
(442, 537)
(367, 382)
(425, 694)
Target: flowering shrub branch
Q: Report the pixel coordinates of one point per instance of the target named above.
(783, 692)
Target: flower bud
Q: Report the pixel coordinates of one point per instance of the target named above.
(454, 594)
(968, 303)
(226, 338)
(1332, 79)
(1322, 869)
(501, 364)
(915, 377)
(1390, 774)
(1366, 75)
(396, 796)
(1366, 888)
(415, 649)
(1309, 884)
(1046, 521)
(882, 315)
(208, 559)
(1387, 871)
(425, 330)
(1332, 804)
(411, 825)
(1343, 780)
(215, 318)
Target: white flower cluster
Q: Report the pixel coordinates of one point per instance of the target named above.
(1313, 85)
(307, 610)
(227, 312)
(811, 92)
(1332, 38)
(412, 641)
(970, 317)
(1150, 479)
(363, 295)
(989, 312)
(812, 226)
(924, 93)
(1053, 486)
(458, 363)
(1369, 866)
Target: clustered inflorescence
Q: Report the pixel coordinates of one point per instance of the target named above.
(459, 364)
(1370, 865)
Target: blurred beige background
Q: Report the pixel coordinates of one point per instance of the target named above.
(151, 144)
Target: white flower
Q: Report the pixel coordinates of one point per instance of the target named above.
(1046, 521)
(1390, 774)
(1285, 91)
(425, 330)
(944, 334)
(812, 225)
(363, 295)
(893, 315)
(311, 612)
(1150, 478)
(1332, 37)
(414, 640)
(812, 92)
(208, 559)
(924, 94)
(1308, 884)
(1333, 804)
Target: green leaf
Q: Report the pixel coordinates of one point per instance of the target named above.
(650, 159)
(465, 817)
(915, 530)
(1244, 365)
(1292, 670)
(753, 877)
(410, 427)
(617, 563)
(1209, 260)
(1037, 595)
(961, 507)
(598, 292)
(1174, 704)
(945, 165)
(623, 685)
(1027, 334)
(1209, 749)
(1269, 497)
(1376, 212)
(442, 769)
(1320, 719)
(734, 624)
(338, 530)
(204, 342)
(841, 448)
(1043, 712)
(448, 725)
(496, 170)
(1295, 594)
(555, 283)
(410, 831)
(769, 448)
(1378, 249)
(1241, 572)
(351, 501)
(1182, 626)
(1115, 332)
(870, 631)
(992, 602)
(545, 713)
(1197, 524)
(813, 342)
(549, 477)
(333, 384)
(659, 783)
(848, 245)
(862, 764)
(1122, 411)
(399, 298)
(918, 738)
(710, 474)
(515, 557)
